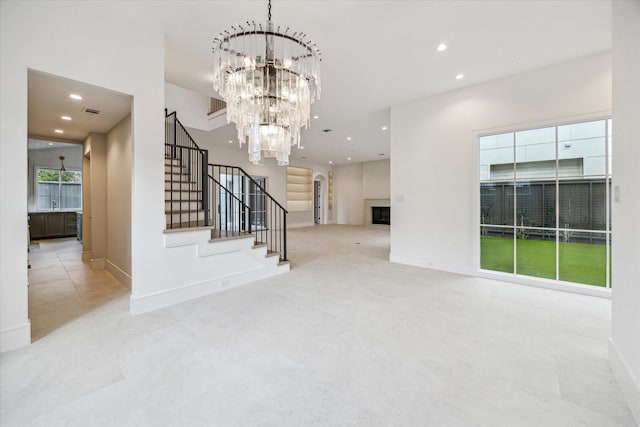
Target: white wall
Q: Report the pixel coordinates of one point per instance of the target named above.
(353, 184)
(624, 348)
(348, 201)
(376, 179)
(192, 108)
(118, 142)
(50, 158)
(95, 207)
(121, 51)
(434, 169)
(86, 208)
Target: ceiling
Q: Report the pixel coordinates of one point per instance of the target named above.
(49, 100)
(376, 54)
(381, 53)
(45, 144)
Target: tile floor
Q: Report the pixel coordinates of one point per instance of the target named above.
(62, 287)
(345, 338)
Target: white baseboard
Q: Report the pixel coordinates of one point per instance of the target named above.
(425, 263)
(119, 274)
(16, 337)
(594, 291)
(628, 384)
(573, 288)
(98, 264)
(144, 303)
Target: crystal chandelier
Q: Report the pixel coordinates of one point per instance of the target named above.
(269, 78)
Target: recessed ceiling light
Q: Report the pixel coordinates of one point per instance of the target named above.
(330, 162)
(384, 128)
(459, 76)
(51, 143)
(442, 47)
(301, 147)
(348, 158)
(316, 117)
(230, 142)
(58, 131)
(65, 118)
(75, 96)
(348, 138)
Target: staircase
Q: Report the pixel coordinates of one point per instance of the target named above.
(186, 181)
(183, 206)
(223, 200)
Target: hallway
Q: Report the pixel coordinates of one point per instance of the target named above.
(62, 288)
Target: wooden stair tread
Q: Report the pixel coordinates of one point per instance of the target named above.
(166, 212)
(176, 226)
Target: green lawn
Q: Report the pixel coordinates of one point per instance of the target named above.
(579, 262)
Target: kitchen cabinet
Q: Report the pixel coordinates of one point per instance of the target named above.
(47, 225)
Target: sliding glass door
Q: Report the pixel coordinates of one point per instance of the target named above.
(545, 202)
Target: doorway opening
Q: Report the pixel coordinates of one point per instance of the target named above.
(79, 186)
(317, 202)
(320, 200)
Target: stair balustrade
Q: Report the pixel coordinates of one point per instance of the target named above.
(186, 179)
(223, 197)
(267, 218)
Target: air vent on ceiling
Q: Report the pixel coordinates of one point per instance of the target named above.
(92, 111)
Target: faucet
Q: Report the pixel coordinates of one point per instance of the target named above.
(53, 205)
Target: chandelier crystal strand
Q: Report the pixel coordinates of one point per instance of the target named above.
(269, 78)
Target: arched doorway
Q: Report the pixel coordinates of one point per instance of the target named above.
(319, 199)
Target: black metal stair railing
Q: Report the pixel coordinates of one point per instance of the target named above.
(186, 179)
(266, 219)
(226, 198)
(231, 211)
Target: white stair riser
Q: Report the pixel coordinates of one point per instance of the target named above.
(181, 195)
(177, 177)
(178, 205)
(184, 217)
(174, 169)
(176, 185)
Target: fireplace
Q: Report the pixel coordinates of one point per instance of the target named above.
(381, 215)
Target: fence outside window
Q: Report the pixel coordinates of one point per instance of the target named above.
(58, 190)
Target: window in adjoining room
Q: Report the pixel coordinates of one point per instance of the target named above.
(57, 189)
